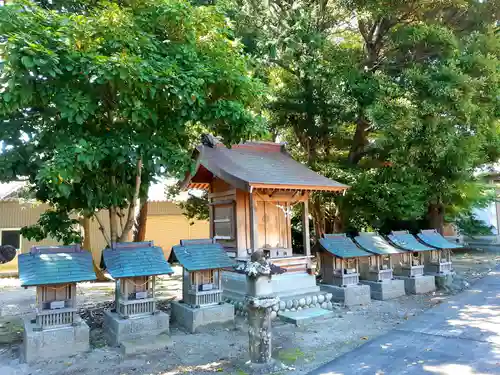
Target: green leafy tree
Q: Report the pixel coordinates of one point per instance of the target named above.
(398, 99)
(96, 104)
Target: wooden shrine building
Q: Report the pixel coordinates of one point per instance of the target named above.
(202, 304)
(55, 270)
(252, 188)
(439, 259)
(134, 266)
(57, 329)
(202, 263)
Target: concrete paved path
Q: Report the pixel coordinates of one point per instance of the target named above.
(461, 336)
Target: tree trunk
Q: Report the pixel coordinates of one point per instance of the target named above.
(141, 221)
(435, 216)
(113, 229)
(359, 142)
(85, 222)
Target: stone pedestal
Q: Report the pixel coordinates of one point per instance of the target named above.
(259, 328)
(118, 331)
(387, 289)
(53, 342)
(351, 295)
(419, 285)
(192, 319)
(444, 281)
(284, 286)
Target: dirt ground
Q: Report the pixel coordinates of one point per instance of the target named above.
(222, 350)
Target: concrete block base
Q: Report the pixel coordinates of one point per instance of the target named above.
(53, 342)
(283, 286)
(352, 295)
(192, 319)
(306, 316)
(118, 330)
(444, 281)
(419, 285)
(385, 290)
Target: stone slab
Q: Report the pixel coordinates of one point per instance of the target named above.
(352, 295)
(305, 316)
(419, 285)
(192, 319)
(385, 290)
(117, 330)
(145, 344)
(53, 342)
(283, 286)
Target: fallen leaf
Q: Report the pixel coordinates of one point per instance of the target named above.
(364, 338)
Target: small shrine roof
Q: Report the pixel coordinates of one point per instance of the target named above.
(131, 259)
(432, 238)
(55, 265)
(376, 244)
(197, 255)
(341, 246)
(256, 165)
(407, 241)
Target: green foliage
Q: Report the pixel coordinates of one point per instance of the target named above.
(397, 99)
(56, 225)
(96, 103)
(471, 226)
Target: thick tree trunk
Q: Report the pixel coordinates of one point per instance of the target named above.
(435, 216)
(87, 245)
(359, 142)
(140, 232)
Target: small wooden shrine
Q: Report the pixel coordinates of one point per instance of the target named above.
(54, 271)
(411, 262)
(379, 266)
(252, 188)
(437, 260)
(202, 262)
(340, 260)
(134, 266)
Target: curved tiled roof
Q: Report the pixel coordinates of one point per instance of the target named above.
(407, 241)
(375, 243)
(261, 165)
(135, 259)
(55, 265)
(341, 246)
(202, 255)
(432, 238)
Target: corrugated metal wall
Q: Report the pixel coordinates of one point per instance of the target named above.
(166, 227)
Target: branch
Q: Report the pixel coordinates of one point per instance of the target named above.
(102, 229)
(121, 215)
(131, 208)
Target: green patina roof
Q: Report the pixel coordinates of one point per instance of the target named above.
(407, 241)
(434, 239)
(341, 246)
(55, 265)
(375, 243)
(202, 255)
(132, 259)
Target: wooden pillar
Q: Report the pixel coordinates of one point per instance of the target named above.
(153, 287)
(305, 232)
(254, 227)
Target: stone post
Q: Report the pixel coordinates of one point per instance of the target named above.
(259, 303)
(259, 327)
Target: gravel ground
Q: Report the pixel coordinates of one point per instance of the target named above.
(222, 350)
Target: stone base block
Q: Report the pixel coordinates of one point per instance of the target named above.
(352, 295)
(192, 319)
(53, 342)
(283, 286)
(419, 285)
(444, 281)
(118, 330)
(385, 290)
(306, 316)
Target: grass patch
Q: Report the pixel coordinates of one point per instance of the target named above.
(291, 356)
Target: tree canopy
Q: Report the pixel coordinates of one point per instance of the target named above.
(94, 106)
(399, 99)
